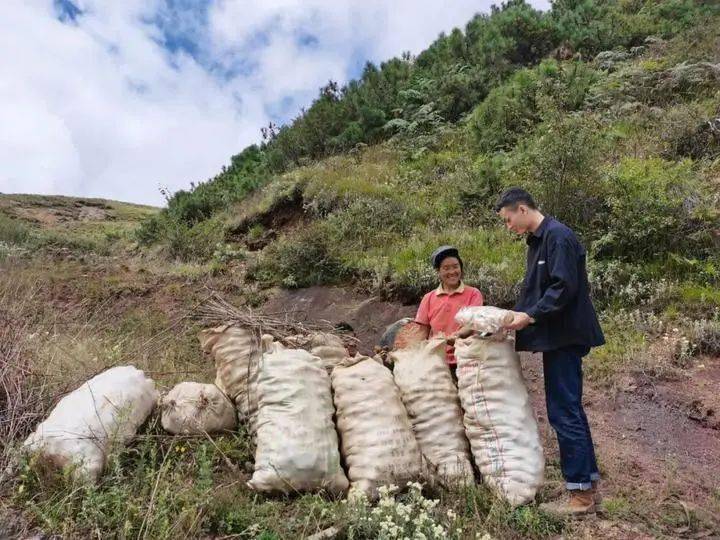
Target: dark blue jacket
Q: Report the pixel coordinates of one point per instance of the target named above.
(556, 292)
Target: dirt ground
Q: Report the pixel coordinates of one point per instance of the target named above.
(369, 316)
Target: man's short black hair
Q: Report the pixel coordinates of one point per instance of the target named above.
(513, 197)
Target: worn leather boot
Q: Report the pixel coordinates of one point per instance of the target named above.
(577, 503)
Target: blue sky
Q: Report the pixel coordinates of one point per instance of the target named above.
(115, 99)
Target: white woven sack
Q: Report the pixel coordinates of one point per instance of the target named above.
(192, 408)
(377, 441)
(432, 403)
(499, 420)
(484, 319)
(297, 445)
(329, 347)
(236, 353)
(102, 414)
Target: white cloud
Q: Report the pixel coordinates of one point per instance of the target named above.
(100, 108)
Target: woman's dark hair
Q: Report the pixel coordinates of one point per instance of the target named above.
(443, 257)
(442, 253)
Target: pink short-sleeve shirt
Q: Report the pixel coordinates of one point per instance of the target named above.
(438, 309)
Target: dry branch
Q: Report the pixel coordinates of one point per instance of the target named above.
(280, 325)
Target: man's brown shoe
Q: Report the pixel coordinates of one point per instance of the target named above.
(579, 502)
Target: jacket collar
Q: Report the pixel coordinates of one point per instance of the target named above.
(535, 236)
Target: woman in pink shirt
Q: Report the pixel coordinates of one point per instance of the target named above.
(439, 307)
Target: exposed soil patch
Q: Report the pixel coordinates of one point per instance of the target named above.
(646, 435)
(368, 316)
(259, 230)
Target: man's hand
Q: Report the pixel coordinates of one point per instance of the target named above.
(520, 321)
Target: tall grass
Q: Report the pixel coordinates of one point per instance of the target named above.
(22, 394)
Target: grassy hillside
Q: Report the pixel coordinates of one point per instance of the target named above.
(622, 145)
(608, 111)
(31, 222)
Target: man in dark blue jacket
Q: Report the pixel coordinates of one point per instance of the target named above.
(556, 317)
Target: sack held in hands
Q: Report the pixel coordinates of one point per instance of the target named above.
(499, 420)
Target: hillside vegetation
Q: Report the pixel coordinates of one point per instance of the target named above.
(608, 111)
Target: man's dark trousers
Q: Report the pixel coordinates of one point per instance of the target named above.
(563, 395)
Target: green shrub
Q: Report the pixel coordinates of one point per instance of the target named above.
(687, 131)
(197, 243)
(152, 229)
(477, 195)
(512, 109)
(560, 166)
(694, 300)
(644, 84)
(369, 222)
(13, 231)
(705, 336)
(506, 113)
(300, 259)
(655, 207)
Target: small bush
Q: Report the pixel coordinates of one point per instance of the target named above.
(687, 132)
(411, 516)
(370, 223)
(479, 190)
(13, 231)
(644, 84)
(514, 108)
(152, 229)
(197, 243)
(655, 208)
(693, 300)
(616, 284)
(559, 165)
(705, 336)
(506, 113)
(300, 259)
